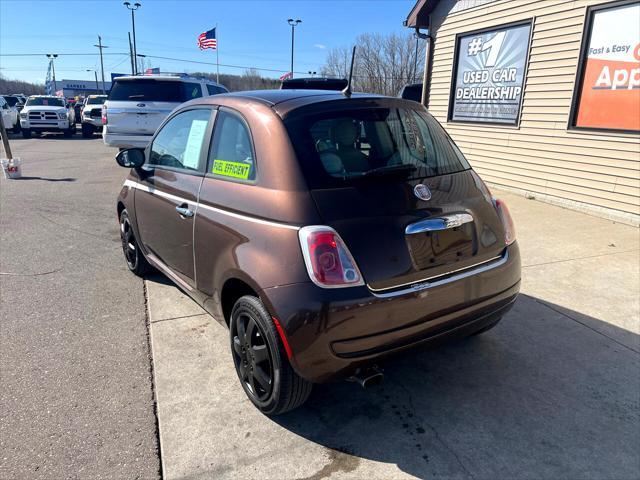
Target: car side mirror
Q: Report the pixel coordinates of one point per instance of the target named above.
(131, 158)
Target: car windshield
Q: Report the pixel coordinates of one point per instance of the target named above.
(12, 101)
(149, 90)
(357, 144)
(45, 101)
(96, 101)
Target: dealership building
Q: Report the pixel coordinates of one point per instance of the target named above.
(77, 88)
(543, 97)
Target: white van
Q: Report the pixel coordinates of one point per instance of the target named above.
(137, 105)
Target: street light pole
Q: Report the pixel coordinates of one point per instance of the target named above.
(294, 24)
(95, 74)
(53, 70)
(133, 24)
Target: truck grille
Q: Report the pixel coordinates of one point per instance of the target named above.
(43, 116)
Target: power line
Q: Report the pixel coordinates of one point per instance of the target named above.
(60, 54)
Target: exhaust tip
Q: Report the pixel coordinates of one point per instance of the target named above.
(368, 378)
(373, 380)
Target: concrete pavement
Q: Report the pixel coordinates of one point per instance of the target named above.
(76, 398)
(552, 392)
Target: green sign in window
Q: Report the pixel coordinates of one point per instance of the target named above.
(231, 169)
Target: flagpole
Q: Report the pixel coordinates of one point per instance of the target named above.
(217, 55)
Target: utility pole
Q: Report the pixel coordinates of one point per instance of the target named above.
(415, 64)
(133, 70)
(294, 24)
(100, 47)
(133, 23)
(53, 70)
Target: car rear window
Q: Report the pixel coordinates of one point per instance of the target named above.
(355, 145)
(154, 90)
(215, 90)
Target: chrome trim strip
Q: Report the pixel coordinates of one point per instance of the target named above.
(433, 282)
(155, 191)
(168, 272)
(440, 223)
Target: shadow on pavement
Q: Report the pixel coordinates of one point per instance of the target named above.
(539, 396)
(65, 179)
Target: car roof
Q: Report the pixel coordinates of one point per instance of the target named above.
(166, 77)
(284, 101)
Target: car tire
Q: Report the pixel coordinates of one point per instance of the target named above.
(16, 128)
(130, 247)
(87, 130)
(486, 328)
(266, 377)
(68, 133)
(26, 133)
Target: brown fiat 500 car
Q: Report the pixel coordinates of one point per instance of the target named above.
(325, 231)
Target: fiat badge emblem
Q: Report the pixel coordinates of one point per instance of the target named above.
(422, 192)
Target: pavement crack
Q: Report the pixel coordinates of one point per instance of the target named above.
(68, 227)
(10, 274)
(178, 318)
(433, 429)
(580, 258)
(152, 378)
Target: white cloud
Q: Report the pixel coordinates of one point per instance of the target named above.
(320, 46)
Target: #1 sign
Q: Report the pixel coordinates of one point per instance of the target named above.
(489, 77)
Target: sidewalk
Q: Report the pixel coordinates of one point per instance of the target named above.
(551, 392)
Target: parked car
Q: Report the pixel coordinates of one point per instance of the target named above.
(45, 113)
(137, 105)
(22, 98)
(92, 115)
(326, 232)
(412, 91)
(10, 115)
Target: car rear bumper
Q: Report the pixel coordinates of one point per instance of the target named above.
(125, 141)
(333, 332)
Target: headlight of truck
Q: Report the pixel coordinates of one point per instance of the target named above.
(62, 116)
(23, 115)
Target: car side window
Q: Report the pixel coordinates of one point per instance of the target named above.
(179, 142)
(231, 154)
(214, 90)
(192, 90)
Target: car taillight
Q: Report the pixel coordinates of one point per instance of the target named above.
(104, 114)
(328, 261)
(507, 221)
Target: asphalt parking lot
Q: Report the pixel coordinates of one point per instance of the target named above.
(552, 392)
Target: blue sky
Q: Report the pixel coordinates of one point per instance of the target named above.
(250, 33)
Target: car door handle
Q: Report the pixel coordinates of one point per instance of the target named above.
(184, 211)
(436, 224)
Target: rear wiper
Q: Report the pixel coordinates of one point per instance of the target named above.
(404, 167)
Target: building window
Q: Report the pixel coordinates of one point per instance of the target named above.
(489, 70)
(607, 90)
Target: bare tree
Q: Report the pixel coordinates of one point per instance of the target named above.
(8, 86)
(383, 64)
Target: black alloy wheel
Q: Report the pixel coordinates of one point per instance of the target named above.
(261, 360)
(135, 260)
(252, 357)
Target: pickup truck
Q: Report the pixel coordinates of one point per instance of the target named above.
(92, 115)
(44, 113)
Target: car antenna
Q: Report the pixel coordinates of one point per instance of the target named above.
(347, 90)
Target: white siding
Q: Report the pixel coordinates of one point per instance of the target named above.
(540, 156)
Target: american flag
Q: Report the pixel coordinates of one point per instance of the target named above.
(208, 40)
